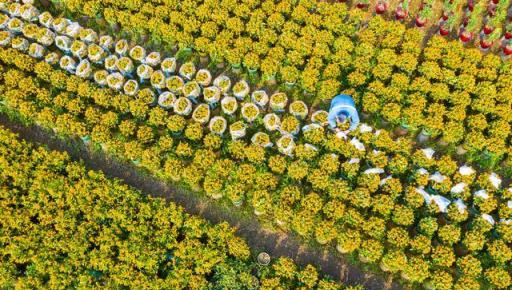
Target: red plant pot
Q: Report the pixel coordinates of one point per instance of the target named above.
(471, 5)
(488, 29)
(445, 16)
(508, 35)
(361, 5)
(507, 50)
(381, 7)
(465, 36)
(443, 31)
(495, 2)
(484, 44)
(420, 22)
(400, 13)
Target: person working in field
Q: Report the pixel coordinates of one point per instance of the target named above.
(342, 111)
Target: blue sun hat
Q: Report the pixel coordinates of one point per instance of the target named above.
(343, 108)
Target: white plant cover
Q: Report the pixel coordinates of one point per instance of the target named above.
(246, 107)
(384, 180)
(46, 19)
(111, 62)
(506, 221)
(47, 38)
(97, 77)
(341, 135)
(458, 188)
(121, 47)
(223, 82)
(314, 118)
(144, 71)
(22, 46)
(153, 58)
(437, 177)
(509, 204)
(227, 100)
(106, 42)
(482, 193)
(237, 133)
(186, 110)
(442, 202)
(272, 127)
(83, 69)
(276, 105)
(15, 25)
(73, 29)
(287, 150)
(36, 50)
(357, 144)
(139, 58)
(98, 56)
(59, 25)
(215, 120)
(495, 180)
(312, 147)
(422, 171)
(260, 98)
(428, 152)
(166, 100)
(254, 139)
(466, 170)
(309, 127)
(201, 119)
(354, 161)
(488, 218)
(90, 35)
(206, 82)
(6, 41)
(461, 206)
(187, 74)
(63, 43)
(365, 128)
(29, 12)
(296, 114)
(168, 65)
(115, 81)
(194, 92)
(127, 90)
(211, 94)
(242, 93)
(374, 170)
(67, 63)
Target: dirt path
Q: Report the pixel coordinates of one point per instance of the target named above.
(259, 239)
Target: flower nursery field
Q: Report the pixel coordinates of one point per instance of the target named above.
(229, 100)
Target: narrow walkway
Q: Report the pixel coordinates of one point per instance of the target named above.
(259, 239)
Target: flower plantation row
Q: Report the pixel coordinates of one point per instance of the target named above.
(456, 95)
(400, 208)
(97, 232)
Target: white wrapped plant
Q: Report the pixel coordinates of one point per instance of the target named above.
(260, 98)
(4, 20)
(174, 84)
(144, 72)
(13, 8)
(229, 105)
(28, 12)
(131, 87)
(286, 145)
(67, 63)
(100, 77)
(183, 106)
(241, 89)
(218, 125)
(84, 69)
(299, 109)
(96, 53)
(191, 90)
(168, 65)
(261, 139)
(88, 35)
(115, 81)
(73, 30)
(5, 38)
(63, 43)
(15, 25)
(166, 100)
(111, 62)
(52, 58)
(278, 102)
(121, 47)
(45, 19)
(250, 112)
(125, 65)
(187, 70)
(20, 43)
(79, 49)
(153, 59)
(211, 95)
(237, 130)
(320, 117)
(157, 79)
(203, 77)
(59, 24)
(106, 42)
(138, 53)
(223, 82)
(201, 114)
(272, 122)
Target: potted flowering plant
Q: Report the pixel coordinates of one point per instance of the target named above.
(63, 43)
(59, 24)
(166, 100)
(211, 95)
(250, 112)
(131, 87)
(138, 53)
(5, 38)
(201, 114)
(36, 50)
(100, 77)
(168, 65)
(187, 70)
(223, 82)
(153, 59)
(286, 145)
(45, 19)
(320, 117)
(121, 47)
(272, 122)
(106, 42)
(203, 77)
(67, 63)
(191, 90)
(4, 20)
(115, 81)
(125, 66)
(20, 44)
(73, 30)
(88, 35)
(241, 89)
(218, 125)
(299, 109)
(183, 106)
(261, 139)
(79, 49)
(237, 130)
(174, 84)
(84, 69)
(96, 53)
(278, 102)
(144, 72)
(260, 98)
(229, 105)
(111, 63)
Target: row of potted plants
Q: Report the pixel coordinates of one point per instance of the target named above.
(254, 174)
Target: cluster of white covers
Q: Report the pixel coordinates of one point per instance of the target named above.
(130, 69)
